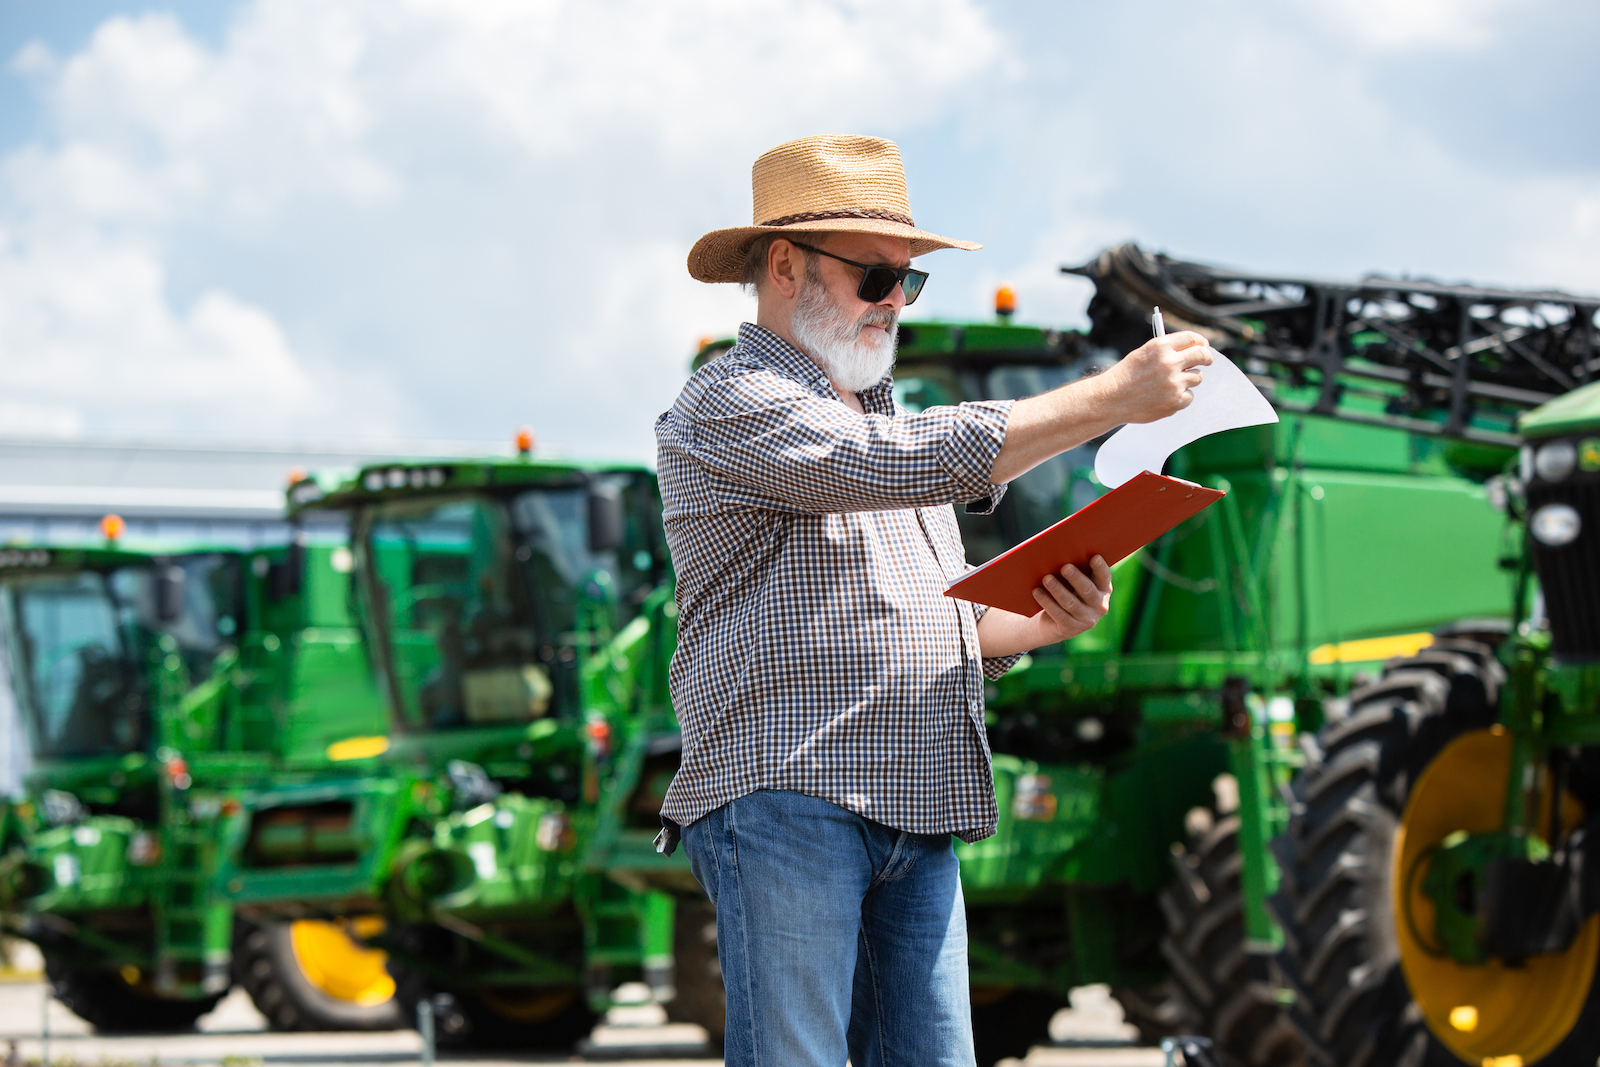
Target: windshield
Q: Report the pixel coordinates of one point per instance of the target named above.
(1045, 495)
(483, 605)
(81, 646)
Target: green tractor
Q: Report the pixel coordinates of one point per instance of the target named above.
(518, 614)
(1440, 869)
(1143, 769)
(157, 690)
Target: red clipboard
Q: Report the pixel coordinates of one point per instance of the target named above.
(1118, 524)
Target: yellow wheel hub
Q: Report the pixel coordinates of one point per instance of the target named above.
(340, 966)
(527, 1005)
(1491, 1014)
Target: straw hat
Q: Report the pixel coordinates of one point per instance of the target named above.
(819, 184)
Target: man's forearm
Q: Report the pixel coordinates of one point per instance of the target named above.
(1004, 633)
(1149, 383)
(1047, 425)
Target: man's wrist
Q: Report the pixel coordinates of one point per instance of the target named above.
(1103, 395)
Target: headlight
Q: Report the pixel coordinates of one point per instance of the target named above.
(1494, 490)
(1555, 525)
(1555, 460)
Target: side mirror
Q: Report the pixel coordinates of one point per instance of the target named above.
(607, 524)
(169, 593)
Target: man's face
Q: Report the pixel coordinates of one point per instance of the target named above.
(851, 338)
(842, 280)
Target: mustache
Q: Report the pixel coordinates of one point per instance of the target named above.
(876, 316)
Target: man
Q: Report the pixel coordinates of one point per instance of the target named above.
(831, 697)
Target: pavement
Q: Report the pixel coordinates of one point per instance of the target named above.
(1091, 1034)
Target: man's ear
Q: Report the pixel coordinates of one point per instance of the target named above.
(784, 265)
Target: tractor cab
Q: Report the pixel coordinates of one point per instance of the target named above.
(484, 604)
(517, 612)
(97, 638)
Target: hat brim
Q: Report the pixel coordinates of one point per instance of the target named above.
(719, 255)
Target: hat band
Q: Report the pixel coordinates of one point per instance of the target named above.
(850, 213)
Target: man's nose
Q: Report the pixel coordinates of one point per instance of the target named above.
(896, 298)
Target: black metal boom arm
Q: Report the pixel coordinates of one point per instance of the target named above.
(1468, 359)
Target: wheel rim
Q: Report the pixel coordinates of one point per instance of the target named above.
(339, 966)
(1490, 1012)
(527, 1005)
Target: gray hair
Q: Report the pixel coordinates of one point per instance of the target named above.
(755, 263)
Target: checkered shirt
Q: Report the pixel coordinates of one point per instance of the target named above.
(816, 650)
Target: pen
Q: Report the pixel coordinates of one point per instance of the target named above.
(1156, 323)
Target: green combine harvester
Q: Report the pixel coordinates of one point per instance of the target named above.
(1144, 769)
(518, 613)
(1441, 869)
(161, 689)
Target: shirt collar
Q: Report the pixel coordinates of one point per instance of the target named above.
(877, 399)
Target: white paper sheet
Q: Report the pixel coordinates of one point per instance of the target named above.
(1224, 400)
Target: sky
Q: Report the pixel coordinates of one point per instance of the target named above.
(294, 219)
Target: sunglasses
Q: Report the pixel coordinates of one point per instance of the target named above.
(878, 281)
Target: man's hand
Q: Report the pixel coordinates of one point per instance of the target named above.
(1150, 383)
(1071, 604)
(1153, 381)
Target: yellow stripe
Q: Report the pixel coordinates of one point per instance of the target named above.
(357, 748)
(1368, 649)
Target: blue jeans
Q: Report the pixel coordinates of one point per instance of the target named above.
(838, 936)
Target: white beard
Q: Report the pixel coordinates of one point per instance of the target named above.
(851, 358)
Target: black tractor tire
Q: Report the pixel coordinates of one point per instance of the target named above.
(1218, 990)
(1012, 1023)
(105, 1000)
(1341, 954)
(266, 966)
(700, 998)
(468, 1019)
(1156, 1011)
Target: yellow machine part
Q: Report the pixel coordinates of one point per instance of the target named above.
(339, 965)
(1490, 1014)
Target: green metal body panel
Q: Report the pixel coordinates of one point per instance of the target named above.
(1575, 412)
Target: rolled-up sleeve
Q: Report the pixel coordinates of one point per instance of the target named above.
(768, 442)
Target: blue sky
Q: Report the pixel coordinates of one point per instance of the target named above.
(293, 218)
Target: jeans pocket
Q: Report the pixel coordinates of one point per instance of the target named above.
(700, 847)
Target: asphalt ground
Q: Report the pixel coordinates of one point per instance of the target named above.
(235, 1035)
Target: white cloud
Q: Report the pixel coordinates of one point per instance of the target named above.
(27, 419)
(680, 79)
(443, 217)
(1279, 147)
(88, 339)
(1404, 25)
(342, 200)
